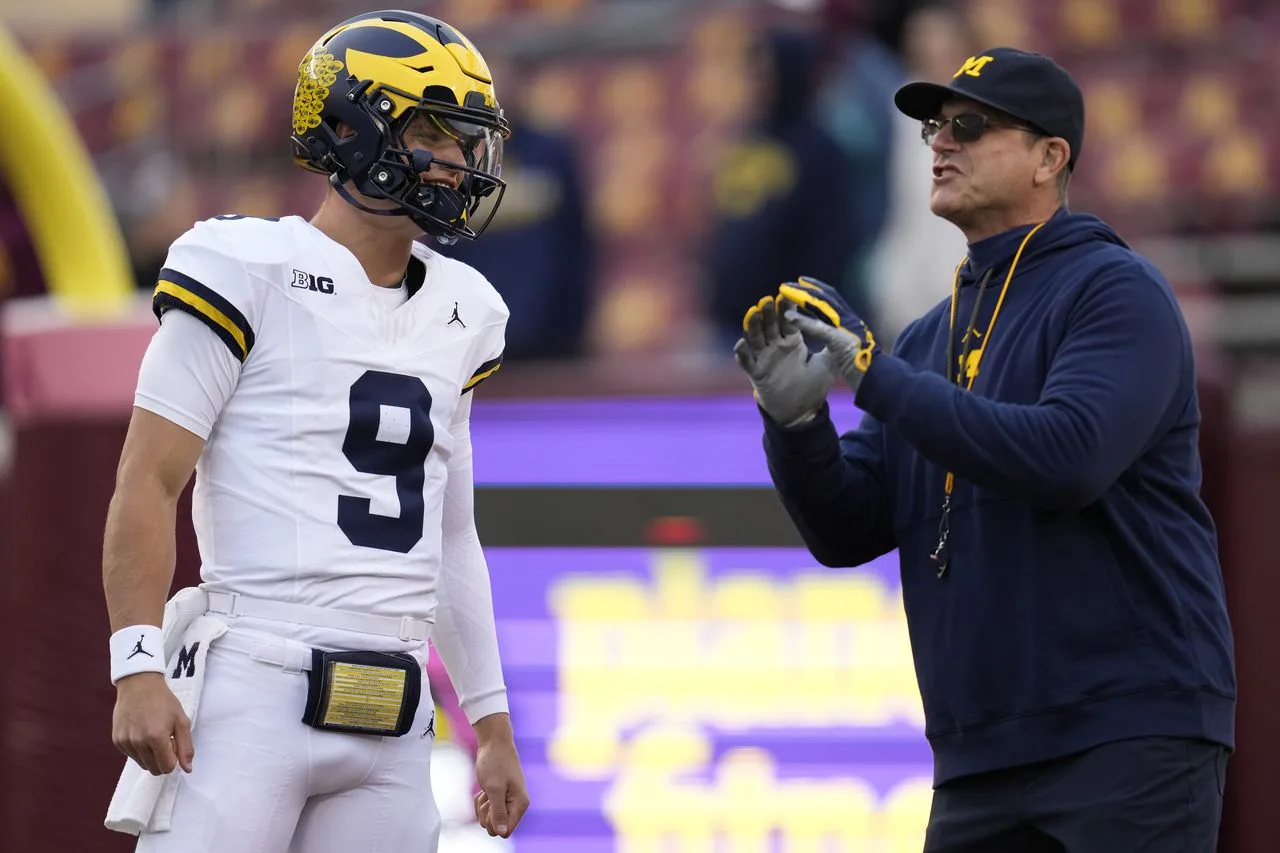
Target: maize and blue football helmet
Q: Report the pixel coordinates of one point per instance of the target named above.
(375, 74)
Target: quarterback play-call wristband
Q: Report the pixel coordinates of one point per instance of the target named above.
(137, 648)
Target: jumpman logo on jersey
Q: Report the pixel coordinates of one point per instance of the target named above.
(455, 318)
(139, 650)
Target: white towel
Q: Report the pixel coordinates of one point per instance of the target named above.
(179, 611)
(143, 802)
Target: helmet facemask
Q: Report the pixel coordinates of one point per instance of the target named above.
(397, 172)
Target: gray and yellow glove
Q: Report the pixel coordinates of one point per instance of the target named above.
(823, 317)
(790, 383)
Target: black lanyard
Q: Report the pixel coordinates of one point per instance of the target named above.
(966, 374)
(940, 555)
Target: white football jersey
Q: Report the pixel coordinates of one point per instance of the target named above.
(322, 480)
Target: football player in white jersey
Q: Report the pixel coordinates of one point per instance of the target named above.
(317, 376)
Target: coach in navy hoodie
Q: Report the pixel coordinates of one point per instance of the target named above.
(1030, 449)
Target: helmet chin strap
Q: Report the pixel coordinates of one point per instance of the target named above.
(341, 189)
(443, 203)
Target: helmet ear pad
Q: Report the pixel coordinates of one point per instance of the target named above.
(349, 153)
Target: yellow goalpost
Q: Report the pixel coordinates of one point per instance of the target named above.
(51, 177)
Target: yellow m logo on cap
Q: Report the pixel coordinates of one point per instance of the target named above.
(973, 66)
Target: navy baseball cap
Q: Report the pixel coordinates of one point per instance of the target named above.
(1027, 86)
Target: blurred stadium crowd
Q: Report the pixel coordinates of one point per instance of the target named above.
(672, 161)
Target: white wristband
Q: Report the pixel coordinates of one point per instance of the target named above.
(138, 648)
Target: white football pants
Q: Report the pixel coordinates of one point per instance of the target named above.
(263, 782)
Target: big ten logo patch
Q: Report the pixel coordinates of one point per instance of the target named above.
(307, 281)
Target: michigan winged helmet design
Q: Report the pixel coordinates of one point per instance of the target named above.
(375, 74)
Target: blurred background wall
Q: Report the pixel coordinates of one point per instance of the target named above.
(683, 676)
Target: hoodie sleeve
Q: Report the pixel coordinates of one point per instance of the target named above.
(1112, 380)
(833, 488)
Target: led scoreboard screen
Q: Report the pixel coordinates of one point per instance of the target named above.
(683, 675)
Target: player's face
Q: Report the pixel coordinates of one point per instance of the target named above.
(425, 134)
(975, 176)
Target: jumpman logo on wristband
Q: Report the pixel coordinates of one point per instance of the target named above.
(139, 650)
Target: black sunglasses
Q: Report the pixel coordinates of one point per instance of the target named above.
(966, 127)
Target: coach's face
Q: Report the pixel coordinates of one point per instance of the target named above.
(975, 177)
